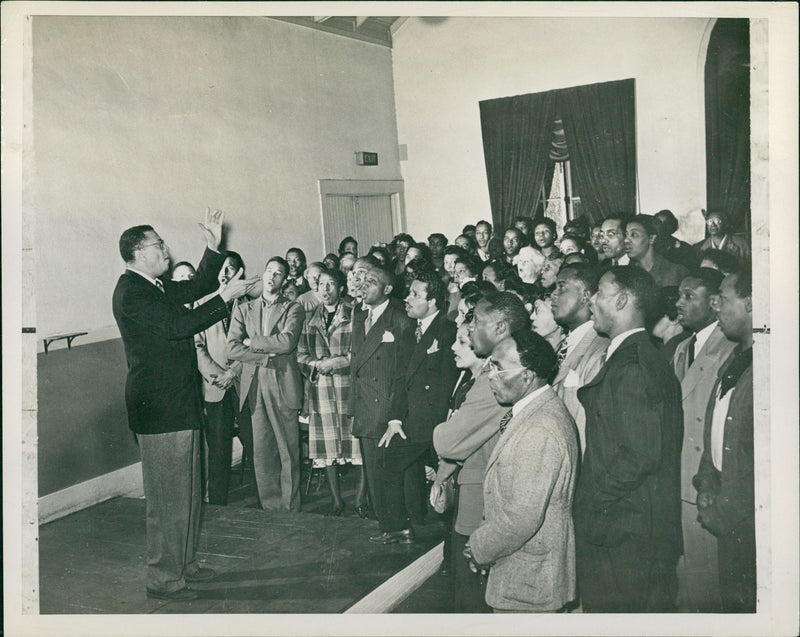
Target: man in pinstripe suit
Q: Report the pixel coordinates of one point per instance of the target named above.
(627, 500)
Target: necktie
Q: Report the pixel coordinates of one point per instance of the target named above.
(504, 420)
(690, 351)
(561, 353)
(160, 286)
(418, 331)
(368, 321)
(460, 394)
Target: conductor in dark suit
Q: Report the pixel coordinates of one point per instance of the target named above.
(377, 331)
(627, 500)
(163, 395)
(426, 375)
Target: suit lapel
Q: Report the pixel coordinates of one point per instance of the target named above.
(277, 313)
(631, 341)
(518, 421)
(254, 318)
(704, 358)
(375, 336)
(425, 343)
(572, 359)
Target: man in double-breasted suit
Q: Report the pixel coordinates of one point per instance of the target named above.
(527, 538)
(725, 479)
(697, 361)
(627, 499)
(426, 375)
(376, 341)
(584, 348)
(162, 395)
(263, 336)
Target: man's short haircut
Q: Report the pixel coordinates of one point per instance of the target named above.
(131, 240)
(588, 275)
(281, 262)
(650, 224)
(536, 354)
(343, 243)
(183, 264)
(668, 221)
(483, 222)
(574, 258)
(719, 213)
(299, 252)
(471, 264)
(523, 238)
(238, 262)
(639, 284)
(725, 261)
(434, 287)
(511, 308)
(546, 221)
(437, 235)
(709, 278)
(666, 304)
(502, 270)
(368, 261)
(622, 217)
(467, 229)
(456, 250)
(383, 275)
(743, 285)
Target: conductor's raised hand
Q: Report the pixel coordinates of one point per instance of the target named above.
(212, 228)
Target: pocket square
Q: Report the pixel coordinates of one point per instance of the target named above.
(573, 379)
(433, 348)
(388, 337)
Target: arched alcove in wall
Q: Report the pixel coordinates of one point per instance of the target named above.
(727, 113)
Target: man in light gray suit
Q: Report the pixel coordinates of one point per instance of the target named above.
(697, 361)
(263, 336)
(527, 539)
(582, 351)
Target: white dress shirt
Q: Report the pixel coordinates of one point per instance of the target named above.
(618, 339)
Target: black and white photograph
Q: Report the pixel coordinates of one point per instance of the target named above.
(390, 324)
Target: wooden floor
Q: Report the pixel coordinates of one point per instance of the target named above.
(93, 561)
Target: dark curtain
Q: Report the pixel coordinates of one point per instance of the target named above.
(516, 141)
(600, 127)
(727, 87)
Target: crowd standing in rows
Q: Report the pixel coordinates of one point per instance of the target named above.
(585, 402)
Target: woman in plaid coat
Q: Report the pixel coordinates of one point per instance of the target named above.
(324, 356)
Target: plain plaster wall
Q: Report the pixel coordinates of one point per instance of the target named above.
(151, 119)
(444, 66)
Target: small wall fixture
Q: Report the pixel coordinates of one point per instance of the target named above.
(364, 158)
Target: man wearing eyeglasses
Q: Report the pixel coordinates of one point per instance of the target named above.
(527, 539)
(162, 393)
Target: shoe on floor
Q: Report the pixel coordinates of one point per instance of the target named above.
(406, 536)
(200, 575)
(181, 595)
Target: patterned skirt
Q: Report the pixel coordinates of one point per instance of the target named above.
(330, 438)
